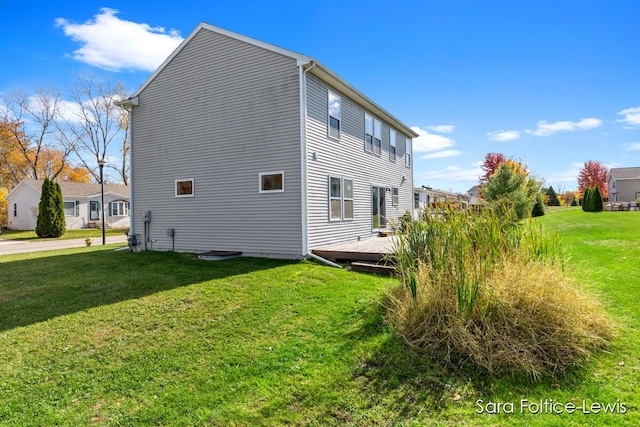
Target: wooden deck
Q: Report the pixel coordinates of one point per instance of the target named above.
(373, 249)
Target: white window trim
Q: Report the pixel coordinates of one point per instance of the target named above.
(377, 136)
(329, 116)
(393, 154)
(395, 196)
(366, 116)
(407, 153)
(341, 198)
(76, 206)
(193, 187)
(261, 174)
(348, 198)
(117, 203)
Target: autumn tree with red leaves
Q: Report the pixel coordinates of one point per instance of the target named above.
(490, 165)
(593, 174)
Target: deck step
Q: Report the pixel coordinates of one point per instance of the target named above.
(373, 268)
(346, 256)
(218, 255)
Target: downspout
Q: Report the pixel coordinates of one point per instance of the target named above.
(326, 261)
(129, 137)
(304, 159)
(303, 155)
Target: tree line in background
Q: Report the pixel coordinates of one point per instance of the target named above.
(508, 181)
(48, 133)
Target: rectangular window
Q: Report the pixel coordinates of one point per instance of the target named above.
(335, 199)
(340, 199)
(271, 182)
(395, 196)
(392, 145)
(334, 115)
(347, 199)
(407, 154)
(377, 137)
(184, 187)
(15, 209)
(94, 210)
(71, 208)
(119, 208)
(368, 133)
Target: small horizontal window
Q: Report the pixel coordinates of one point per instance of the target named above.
(184, 188)
(272, 182)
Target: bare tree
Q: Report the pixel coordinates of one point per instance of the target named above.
(94, 124)
(29, 122)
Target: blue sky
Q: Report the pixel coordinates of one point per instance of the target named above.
(552, 83)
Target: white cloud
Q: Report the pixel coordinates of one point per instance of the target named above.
(546, 129)
(503, 135)
(451, 174)
(114, 44)
(631, 116)
(634, 146)
(569, 174)
(429, 142)
(442, 128)
(442, 154)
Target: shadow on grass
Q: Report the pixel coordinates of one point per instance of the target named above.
(45, 287)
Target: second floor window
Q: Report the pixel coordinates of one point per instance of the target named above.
(372, 134)
(407, 155)
(377, 137)
(334, 115)
(368, 133)
(392, 145)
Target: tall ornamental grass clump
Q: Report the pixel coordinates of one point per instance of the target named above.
(483, 291)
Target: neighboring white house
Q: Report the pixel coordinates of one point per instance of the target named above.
(624, 184)
(81, 205)
(429, 198)
(474, 195)
(239, 145)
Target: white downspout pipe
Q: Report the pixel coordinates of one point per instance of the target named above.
(326, 261)
(303, 156)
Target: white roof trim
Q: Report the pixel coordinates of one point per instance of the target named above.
(320, 71)
(335, 81)
(106, 193)
(20, 184)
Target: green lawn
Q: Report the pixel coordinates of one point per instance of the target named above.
(69, 234)
(119, 338)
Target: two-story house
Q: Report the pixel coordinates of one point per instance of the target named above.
(624, 184)
(239, 145)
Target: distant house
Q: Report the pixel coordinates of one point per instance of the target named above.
(624, 184)
(238, 145)
(81, 205)
(473, 195)
(429, 198)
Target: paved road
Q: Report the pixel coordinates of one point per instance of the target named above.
(18, 247)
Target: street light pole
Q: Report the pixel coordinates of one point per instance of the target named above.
(101, 163)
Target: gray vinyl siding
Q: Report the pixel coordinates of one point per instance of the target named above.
(626, 190)
(348, 158)
(220, 112)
